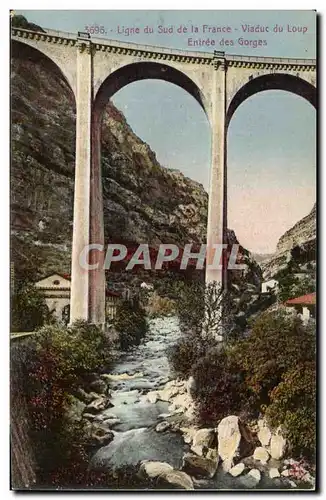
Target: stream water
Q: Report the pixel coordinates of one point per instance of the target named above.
(142, 369)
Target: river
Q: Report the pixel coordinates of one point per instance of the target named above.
(134, 419)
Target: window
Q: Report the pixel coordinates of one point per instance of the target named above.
(56, 282)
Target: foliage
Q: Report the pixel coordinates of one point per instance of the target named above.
(204, 308)
(28, 309)
(184, 354)
(278, 341)
(271, 370)
(293, 404)
(55, 362)
(130, 322)
(291, 285)
(159, 306)
(219, 386)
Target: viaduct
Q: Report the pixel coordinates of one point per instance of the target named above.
(95, 69)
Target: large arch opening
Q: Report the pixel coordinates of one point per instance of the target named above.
(146, 71)
(274, 81)
(271, 159)
(132, 89)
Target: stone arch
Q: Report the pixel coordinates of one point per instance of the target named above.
(25, 51)
(144, 71)
(273, 81)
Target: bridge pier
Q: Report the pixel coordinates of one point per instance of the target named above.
(87, 298)
(217, 200)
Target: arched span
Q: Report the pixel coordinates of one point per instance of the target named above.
(274, 81)
(144, 71)
(21, 50)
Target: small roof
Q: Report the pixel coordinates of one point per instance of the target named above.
(309, 299)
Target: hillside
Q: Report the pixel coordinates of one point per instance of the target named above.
(298, 245)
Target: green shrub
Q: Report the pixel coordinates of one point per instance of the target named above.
(278, 341)
(28, 309)
(131, 323)
(293, 405)
(184, 354)
(270, 371)
(219, 387)
(56, 361)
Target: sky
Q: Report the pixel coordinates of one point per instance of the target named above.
(271, 137)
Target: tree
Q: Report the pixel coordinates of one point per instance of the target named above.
(28, 309)
(205, 309)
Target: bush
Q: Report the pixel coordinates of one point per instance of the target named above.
(131, 323)
(184, 354)
(219, 387)
(204, 308)
(28, 309)
(271, 371)
(293, 405)
(58, 360)
(278, 341)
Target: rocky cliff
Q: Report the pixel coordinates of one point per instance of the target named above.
(143, 202)
(297, 244)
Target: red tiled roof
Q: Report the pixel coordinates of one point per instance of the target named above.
(309, 299)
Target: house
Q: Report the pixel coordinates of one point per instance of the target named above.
(305, 306)
(269, 286)
(56, 291)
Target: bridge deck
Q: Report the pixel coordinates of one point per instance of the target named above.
(164, 50)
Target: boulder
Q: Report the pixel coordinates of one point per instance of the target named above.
(175, 479)
(96, 406)
(274, 472)
(89, 416)
(167, 393)
(100, 437)
(234, 439)
(212, 453)
(151, 469)
(251, 479)
(183, 401)
(199, 466)
(264, 434)
(237, 470)
(162, 426)
(152, 397)
(203, 439)
(278, 445)
(285, 473)
(111, 422)
(261, 454)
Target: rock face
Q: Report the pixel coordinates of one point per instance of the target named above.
(297, 243)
